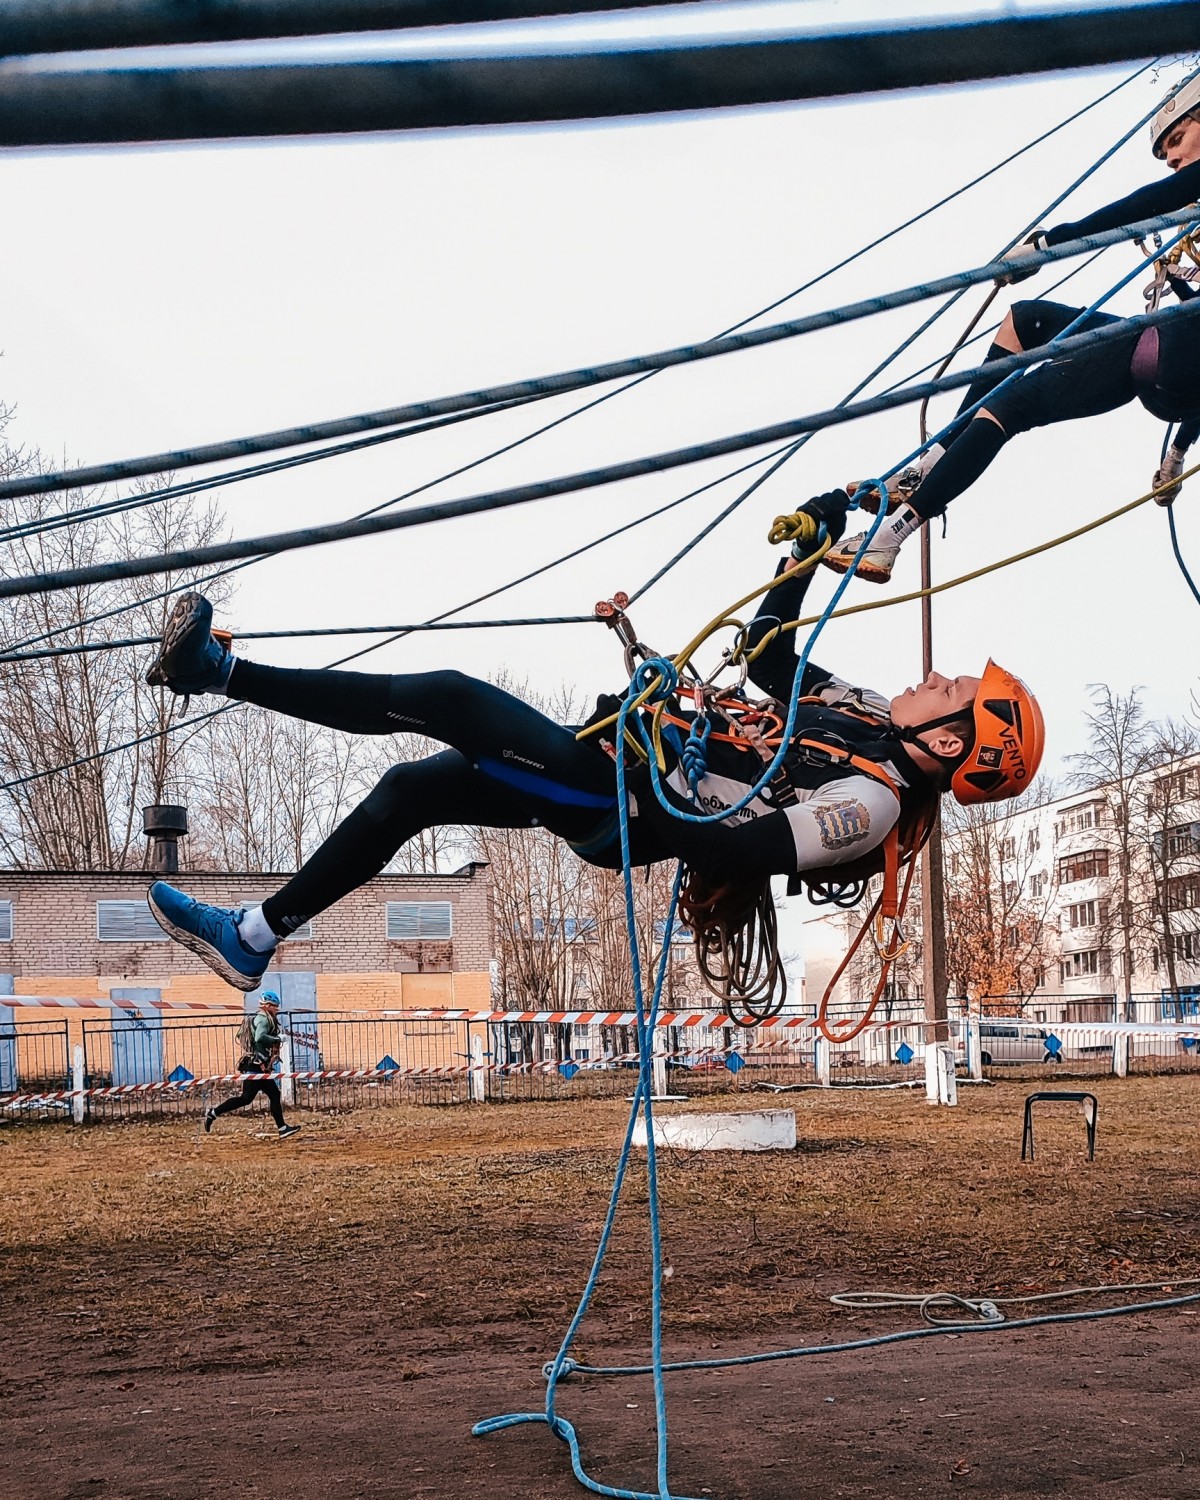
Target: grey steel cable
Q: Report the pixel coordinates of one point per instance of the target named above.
(569, 380)
(43, 103)
(313, 536)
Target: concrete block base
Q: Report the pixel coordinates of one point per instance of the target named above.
(750, 1130)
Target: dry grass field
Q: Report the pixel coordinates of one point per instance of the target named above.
(233, 1315)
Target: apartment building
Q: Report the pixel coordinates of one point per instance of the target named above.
(1100, 890)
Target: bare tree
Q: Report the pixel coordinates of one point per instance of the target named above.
(1121, 752)
(72, 793)
(1170, 845)
(997, 901)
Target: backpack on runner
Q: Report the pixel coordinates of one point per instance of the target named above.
(247, 1062)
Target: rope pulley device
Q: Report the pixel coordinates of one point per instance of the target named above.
(612, 612)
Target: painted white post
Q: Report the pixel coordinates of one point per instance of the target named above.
(974, 1049)
(931, 1074)
(78, 1081)
(658, 1073)
(1120, 1054)
(287, 1084)
(947, 1082)
(940, 1084)
(821, 1056)
(477, 1078)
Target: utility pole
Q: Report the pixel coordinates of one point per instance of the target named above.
(933, 895)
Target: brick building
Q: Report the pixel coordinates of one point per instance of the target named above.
(398, 942)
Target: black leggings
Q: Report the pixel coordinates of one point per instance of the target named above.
(250, 1088)
(511, 767)
(1080, 385)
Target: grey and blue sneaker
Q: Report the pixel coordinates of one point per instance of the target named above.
(211, 932)
(193, 658)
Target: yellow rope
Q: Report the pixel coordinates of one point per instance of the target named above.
(1004, 562)
(779, 532)
(715, 624)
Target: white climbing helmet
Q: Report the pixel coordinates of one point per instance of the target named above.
(1182, 100)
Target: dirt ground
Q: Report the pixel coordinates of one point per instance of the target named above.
(239, 1316)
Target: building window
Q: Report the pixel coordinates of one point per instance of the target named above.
(5, 921)
(1176, 786)
(1008, 848)
(1010, 892)
(679, 933)
(127, 922)
(1089, 865)
(1084, 913)
(1014, 937)
(1037, 885)
(1078, 965)
(1181, 840)
(566, 929)
(1185, 946)
(1033, 840)
(1183, 891)
(1079, 819)
(418, 921)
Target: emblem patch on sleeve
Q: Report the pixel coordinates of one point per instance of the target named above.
(841, 823)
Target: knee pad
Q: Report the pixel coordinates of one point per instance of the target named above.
(393, 789)
(1037, 320)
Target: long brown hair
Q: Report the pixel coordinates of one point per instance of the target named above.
(737, 945)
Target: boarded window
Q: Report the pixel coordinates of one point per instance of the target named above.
(5, 921)
(418, 921)
(127, 922)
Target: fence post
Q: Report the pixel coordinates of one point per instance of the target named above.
(78, 1082)
(1120, 1055)
(940, 1084)
(658, 1070)
(821, 1055)
(974, 1049)
(477, 1077)
(287, 1084)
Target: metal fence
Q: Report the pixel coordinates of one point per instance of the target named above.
(35, 1058)
(134, 1065)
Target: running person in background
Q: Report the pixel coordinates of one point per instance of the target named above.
(1158, 366)
(261, 1039)
(875, 761)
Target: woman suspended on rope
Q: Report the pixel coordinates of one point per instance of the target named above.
(860, 767)
(1158, 366)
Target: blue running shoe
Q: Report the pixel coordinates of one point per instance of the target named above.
(210, 932)
(192, 658)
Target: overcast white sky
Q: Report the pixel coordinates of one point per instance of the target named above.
(160, 297)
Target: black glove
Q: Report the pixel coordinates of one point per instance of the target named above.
(830, 508)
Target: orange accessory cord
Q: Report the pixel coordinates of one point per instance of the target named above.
(889, 905)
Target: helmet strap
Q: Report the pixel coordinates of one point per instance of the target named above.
(912, 736)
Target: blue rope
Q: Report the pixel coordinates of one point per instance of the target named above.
(662, 676)
(642, 1105)
(660, 666)
(878, 1340)
(1183, 568)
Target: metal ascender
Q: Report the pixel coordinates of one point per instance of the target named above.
(1169, 268)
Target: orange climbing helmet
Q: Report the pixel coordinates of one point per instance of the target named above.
(1010, 736)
